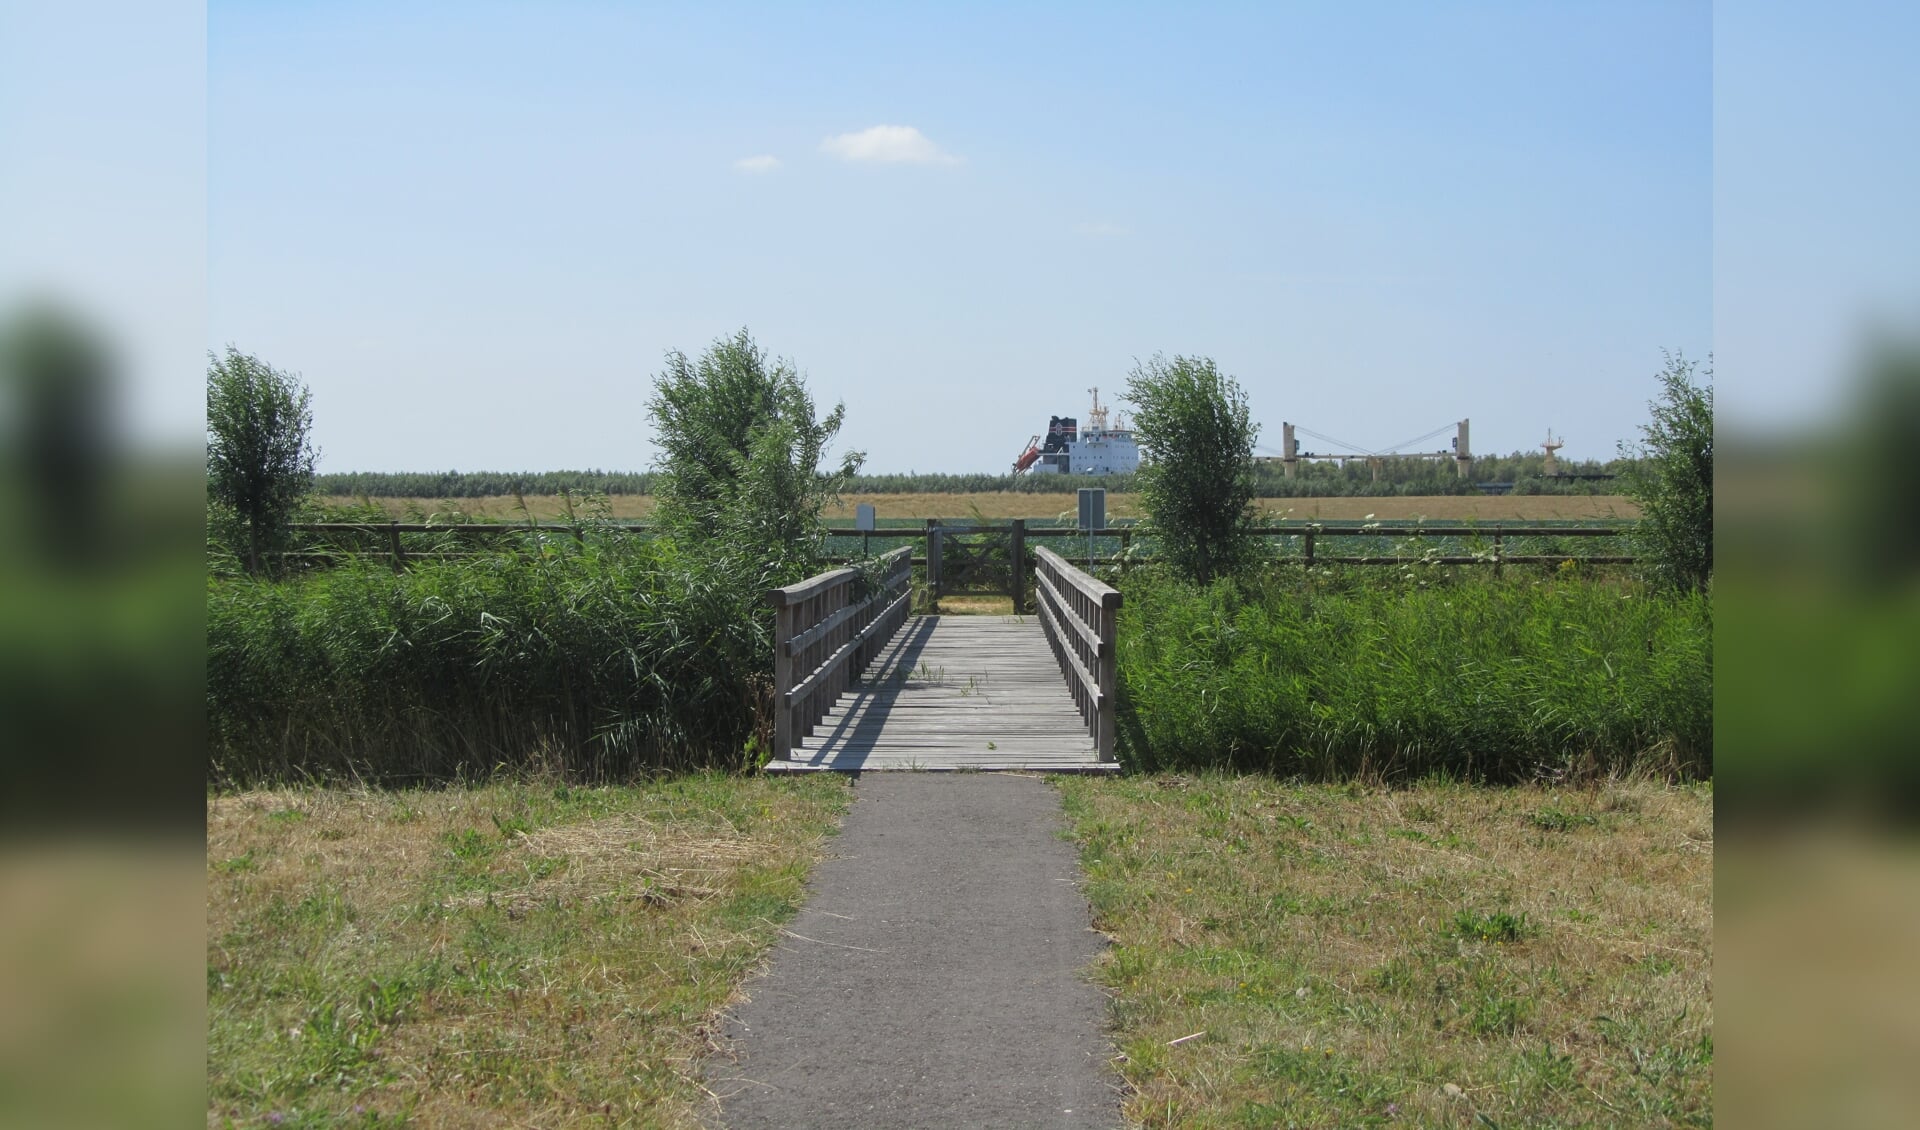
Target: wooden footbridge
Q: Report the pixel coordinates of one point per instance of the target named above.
(860, 684)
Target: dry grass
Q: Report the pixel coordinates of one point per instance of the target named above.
(976, 605)
(100, 1004)
(1478, 507)
(1435, 956)
(497, 507)
(996, 505)
(1819, 922)
(518, 954)
(1002, 505)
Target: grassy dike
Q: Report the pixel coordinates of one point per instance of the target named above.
(524, 954)
(1440, 955)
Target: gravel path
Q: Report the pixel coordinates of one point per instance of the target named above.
(933, 978)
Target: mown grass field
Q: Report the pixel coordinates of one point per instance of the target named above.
(1002, 505)
(1441, 955)
(524, 954)
(1282, 954)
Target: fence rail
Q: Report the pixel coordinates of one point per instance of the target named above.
(1371, 529)
(385, 539)
(823, 638)
(1078, 615)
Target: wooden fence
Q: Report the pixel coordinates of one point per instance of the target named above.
(1078, 615)
(823, 638)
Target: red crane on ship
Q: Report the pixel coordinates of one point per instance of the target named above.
(1028, 456)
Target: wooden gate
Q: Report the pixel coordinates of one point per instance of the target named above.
(983, 560)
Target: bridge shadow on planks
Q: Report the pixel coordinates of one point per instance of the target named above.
(954, 692)
(861, 713)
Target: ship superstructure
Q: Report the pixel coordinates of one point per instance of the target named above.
(1100, 448)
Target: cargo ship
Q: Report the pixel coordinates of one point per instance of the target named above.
(1068, 449)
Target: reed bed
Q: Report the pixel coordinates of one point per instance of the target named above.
(1328, 674)
(600, 659)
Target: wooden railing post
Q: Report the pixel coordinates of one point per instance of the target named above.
(783, 740)
(1109, 674)
(1017, 550)
(822, 640)
(399, 552)
(934, 553)
(1080, 617)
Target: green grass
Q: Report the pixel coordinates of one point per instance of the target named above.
(1495, 926)
(1404, 672)
(1284, 956)
(518, 954)
(1552, 818)
(1817, 695)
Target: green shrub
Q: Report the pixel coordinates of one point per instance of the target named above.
(1482, 678)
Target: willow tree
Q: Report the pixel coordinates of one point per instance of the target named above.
(1672, 478)
(1198, 484)
(259, 457)
(740, 457)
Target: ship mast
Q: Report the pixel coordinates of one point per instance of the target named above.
(1096, 416)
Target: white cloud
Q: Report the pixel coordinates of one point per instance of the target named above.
(1101, 230)
(888, 144)
(765, 163)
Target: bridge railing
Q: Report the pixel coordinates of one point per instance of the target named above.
(1078, 613)
(823, 637)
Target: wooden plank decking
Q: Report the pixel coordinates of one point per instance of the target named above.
(955, 692)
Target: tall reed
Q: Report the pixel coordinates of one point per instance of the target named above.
(607, 657)
(1330, 674)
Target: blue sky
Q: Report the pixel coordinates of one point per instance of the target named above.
(1816, 230)
(475, 230)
